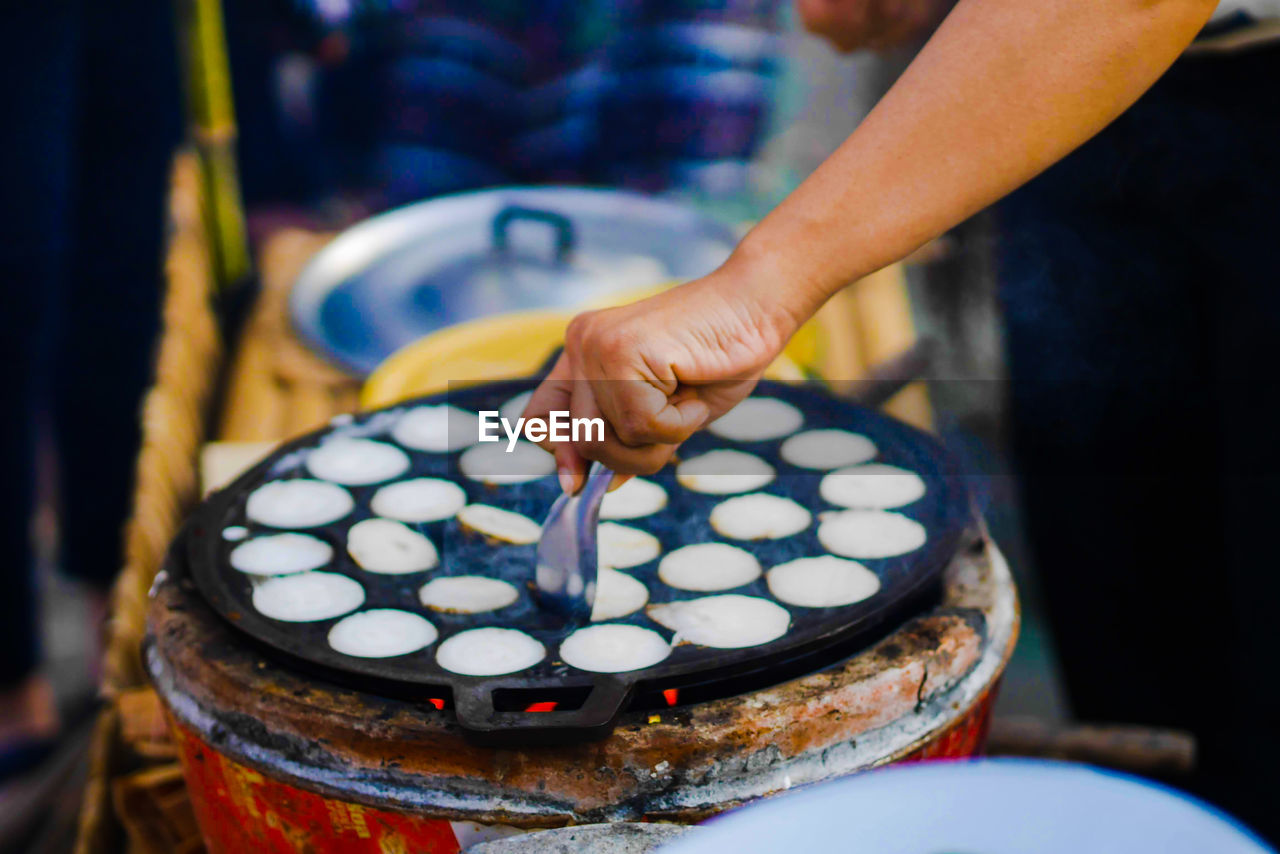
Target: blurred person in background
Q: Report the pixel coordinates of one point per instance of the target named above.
(1138, 280)
(1138, 284)
(90, 117)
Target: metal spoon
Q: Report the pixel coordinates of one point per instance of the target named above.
(567, 559)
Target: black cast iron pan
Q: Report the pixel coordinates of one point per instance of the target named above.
(493, 709)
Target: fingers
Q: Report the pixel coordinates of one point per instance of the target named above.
(643, 414)
(641, 399)
(627, 460)
(571, 468)
(618, 480)
(620, 456)
(555, 394)
(639, 411)
(561, 391)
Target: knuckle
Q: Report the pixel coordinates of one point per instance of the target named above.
(615, 343)
(592, 450)
(580, 329)
(632, 427)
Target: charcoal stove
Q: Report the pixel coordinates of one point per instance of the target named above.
(283, 742)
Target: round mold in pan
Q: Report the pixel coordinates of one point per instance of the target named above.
(907, 581)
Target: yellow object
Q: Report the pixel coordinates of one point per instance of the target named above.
(223, 462)
(491, 348)
(211, 113)
(866, 324)
(881, 316)
(483, 350)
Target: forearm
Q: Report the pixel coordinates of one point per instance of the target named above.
(1002, 90)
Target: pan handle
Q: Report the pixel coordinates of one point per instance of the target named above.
(474, 707)
(561, 223)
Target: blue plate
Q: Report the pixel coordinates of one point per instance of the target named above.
(1002, 806)
(401, 275)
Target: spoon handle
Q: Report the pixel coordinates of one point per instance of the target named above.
(567, 559)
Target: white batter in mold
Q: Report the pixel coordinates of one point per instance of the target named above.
(489, 652)
(759, 517)
(614, 649)
(622, 547)
(821, 582)
(307, 597)
(281, 554)
(635, 499)
(758, 419)
(356, 462)
(872, 487)
(493, 464)
(390, 548)
(514, 408)
(730, 621)
(498, 524)
(436, 429)
(827, 449)
(467, 594)
(298, 503)
(705, 567)
(419, 499)
(381, 633)
(617, 595)
(724, 472)
(867, 534)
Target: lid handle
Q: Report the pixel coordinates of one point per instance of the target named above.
(561, 223)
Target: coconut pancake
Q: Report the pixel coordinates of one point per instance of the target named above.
(489, 652)
(390, 548)
(381, 633)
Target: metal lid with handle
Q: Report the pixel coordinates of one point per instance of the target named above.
(396, 277)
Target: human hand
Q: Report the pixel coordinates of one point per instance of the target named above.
(658, 370)
(873, 24)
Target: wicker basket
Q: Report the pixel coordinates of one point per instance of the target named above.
(134, 799)
(173, 429)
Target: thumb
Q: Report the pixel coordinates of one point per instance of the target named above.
(685, 415)
(571, 468)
